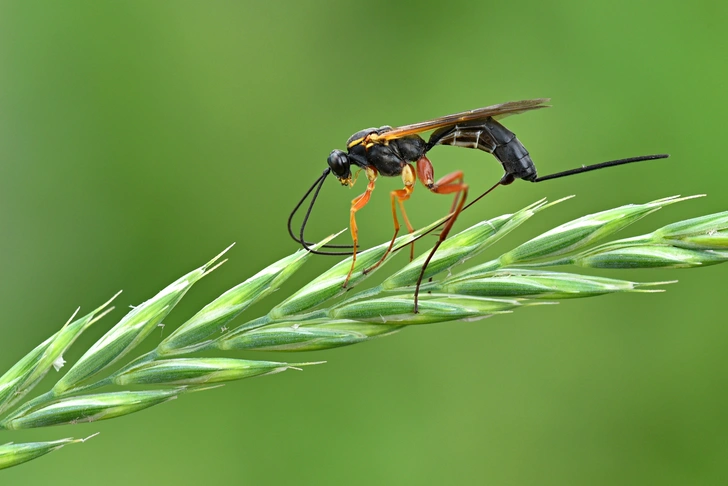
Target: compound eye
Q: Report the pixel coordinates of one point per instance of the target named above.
(339, 163)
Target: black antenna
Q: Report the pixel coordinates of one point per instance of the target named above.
(298, 205)
(307, 245)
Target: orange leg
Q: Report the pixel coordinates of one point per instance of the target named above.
(451, 183)
(401, 201)
(401, 195)
(358, 203)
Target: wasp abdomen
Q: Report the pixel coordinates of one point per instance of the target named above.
(492, 137)
(516, 160)
(510, 152)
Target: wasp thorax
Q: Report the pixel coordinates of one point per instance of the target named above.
(340, 165)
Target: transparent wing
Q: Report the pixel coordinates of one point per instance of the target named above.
(496, 111)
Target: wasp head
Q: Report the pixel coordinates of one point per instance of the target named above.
(340, 166)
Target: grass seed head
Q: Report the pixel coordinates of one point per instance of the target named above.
(582, 232)
(307, 336)
(24, 375)
(90, 408)
(649, 256)
(197, 371)
(131, 330)
(703, 233)
(214, 316)
(15, 454)
(477, 293)
(433, 308)
(537, 285)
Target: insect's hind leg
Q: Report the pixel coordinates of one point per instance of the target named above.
(451, 183)
(401, 195)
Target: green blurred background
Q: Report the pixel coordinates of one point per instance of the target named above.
(138, 139)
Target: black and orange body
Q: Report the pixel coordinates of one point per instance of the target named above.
(389, 149)
(401, 151)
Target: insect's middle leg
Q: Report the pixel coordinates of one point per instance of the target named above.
(451, 183)
(401, 195)
(358, 203)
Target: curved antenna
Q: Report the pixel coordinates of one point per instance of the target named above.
(307, 245)
(298, 206)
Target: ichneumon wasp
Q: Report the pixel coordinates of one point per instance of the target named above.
(392, 152)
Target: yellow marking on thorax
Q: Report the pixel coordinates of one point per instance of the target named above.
(368, 141)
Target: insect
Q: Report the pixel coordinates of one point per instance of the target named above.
(400, 151)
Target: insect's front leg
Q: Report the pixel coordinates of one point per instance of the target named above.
(358, 203)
